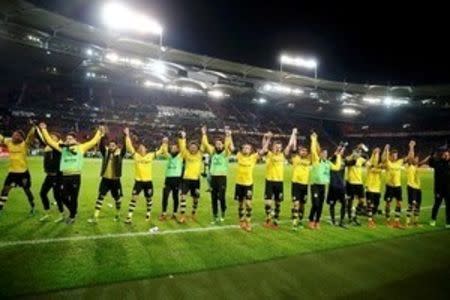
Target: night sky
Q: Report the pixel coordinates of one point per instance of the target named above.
(382, 43)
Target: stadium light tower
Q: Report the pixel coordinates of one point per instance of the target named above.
(117, 16)
(299, 62)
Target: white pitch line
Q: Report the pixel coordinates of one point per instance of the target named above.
(114, 235)
(5, 244)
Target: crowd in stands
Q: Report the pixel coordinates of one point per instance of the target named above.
(152, 115)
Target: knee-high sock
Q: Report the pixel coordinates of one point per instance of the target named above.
(132, 206)
(332, 212)
(4, 197)
(183, 204)
(249, 210)
(388, 210)
(98, 205)
(301, 211)
(295, 213)
(118, 202)
(149, 206)
(268, 209)
(194, 205)
(370, 210)
(277, 211)
(398, 211)
(241, 211)
(409, 212)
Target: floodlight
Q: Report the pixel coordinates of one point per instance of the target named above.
(349, 111)
(119, 17)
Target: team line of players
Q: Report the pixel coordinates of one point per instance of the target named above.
(314, 173)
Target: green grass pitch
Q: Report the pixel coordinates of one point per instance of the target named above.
(90, 258)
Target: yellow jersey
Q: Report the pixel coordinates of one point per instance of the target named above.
(18, 153)
(300, 169)
(394, 173)
(373, 179)
(108, 174)
(193, 162)
(355, 172)
(275, 166)
(245, 166)
(412, 176)
(143, 164)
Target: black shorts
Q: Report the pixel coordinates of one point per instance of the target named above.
(414, 195)
(393, 192)
(243, 192)
(172, 183)
(335, 195)
(191, 186)
(274, 190)
(355, 190)
(18, 180)
(113, 186)
(145, 186)
(373, 198)
(299, 192)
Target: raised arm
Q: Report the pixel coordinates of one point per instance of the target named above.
(182, 143)
(229, 145)
(47, 138)
(123, 150)
(411, 152)
(314, 148)
(265, 144)
(30, 136)
(128, 144)
(337, 165)
(292, 142)
(375, 157)
(102, 146)
(94, 141)
(385, 156)
(164, 148)
(205, 143)
(39, 135)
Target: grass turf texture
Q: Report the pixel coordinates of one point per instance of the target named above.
(50, 266)
(393, 272)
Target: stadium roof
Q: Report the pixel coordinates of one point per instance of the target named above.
(51, 24)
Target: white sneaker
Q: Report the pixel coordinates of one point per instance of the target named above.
(433, 223)
(92, 221)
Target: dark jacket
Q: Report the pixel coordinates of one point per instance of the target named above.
(52, 159)
(441, 175)
(337, 181)
(117, 159)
